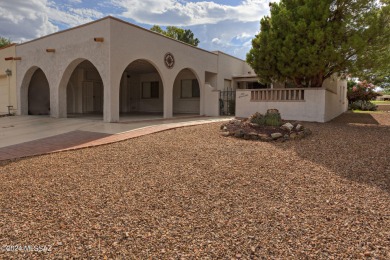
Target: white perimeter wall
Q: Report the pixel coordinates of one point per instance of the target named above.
(320, 105)
(312, 109)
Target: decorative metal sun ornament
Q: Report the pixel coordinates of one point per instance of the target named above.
(169, 60)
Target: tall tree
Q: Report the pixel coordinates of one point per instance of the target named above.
(4, 42)
(306, 41)
(183, 35)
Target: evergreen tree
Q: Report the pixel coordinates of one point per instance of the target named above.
(183, 35)
(4, 42)
(306, 41)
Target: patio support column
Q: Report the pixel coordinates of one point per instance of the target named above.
(168, 98)
(111, 99)
(56, 102)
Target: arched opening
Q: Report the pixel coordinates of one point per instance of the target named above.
(141, 94)
(38, 96)
(186, 94)
(84, 92)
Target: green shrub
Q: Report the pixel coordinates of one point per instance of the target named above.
(271, 118)
(363, 105)
(257, 118)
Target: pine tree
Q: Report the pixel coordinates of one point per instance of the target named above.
(306, 41)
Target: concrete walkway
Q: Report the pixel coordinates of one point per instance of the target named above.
(23, 136)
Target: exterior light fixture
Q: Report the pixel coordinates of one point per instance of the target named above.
(50, 50)
(8, 72)
(98, 39)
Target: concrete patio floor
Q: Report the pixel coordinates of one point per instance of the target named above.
(22, 136)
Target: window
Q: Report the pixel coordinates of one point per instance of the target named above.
(190, 88)
(256, 85)
(150, 89)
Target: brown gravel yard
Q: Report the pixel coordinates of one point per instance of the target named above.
(191, 193)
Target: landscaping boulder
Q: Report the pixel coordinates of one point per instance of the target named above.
(253, 136)
(299, 127)
(225, 134)
(276, 135)
(239, 133)
(287, 126)
(268, 127)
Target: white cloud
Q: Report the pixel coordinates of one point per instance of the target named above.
(226, 27)
(71, 17)
(21, 20)
(169, 12)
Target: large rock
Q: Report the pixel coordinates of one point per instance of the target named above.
(235, 122)
(276, 135)
(287, 126)
(225, 134)
(299, 127)
(264, 137)
(253, 136)
(239, 134)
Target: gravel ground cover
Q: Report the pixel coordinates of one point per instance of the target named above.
(191, 193)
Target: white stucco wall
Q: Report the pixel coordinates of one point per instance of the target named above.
(123, 44)
(71, 48)
(229, 66)
(130, 43)
(7, 84)
(312, 109)
(336, 101)
(319, 105)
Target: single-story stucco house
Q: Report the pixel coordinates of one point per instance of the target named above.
(113, 68)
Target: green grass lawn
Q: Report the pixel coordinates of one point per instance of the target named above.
(368, 112)
(377, 102)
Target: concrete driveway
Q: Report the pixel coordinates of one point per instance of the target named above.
(22, 136)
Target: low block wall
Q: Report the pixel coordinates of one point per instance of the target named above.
(311, 108)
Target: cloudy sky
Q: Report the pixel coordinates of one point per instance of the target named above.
(226, 25)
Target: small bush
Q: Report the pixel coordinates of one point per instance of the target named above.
(257, 118)
(363, 105)
(271, 118)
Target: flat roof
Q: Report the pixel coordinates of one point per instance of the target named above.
(218, 52)
(245, 76)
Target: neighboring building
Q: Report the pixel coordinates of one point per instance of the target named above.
(383, 98)
(7, 79)
(113, 68)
